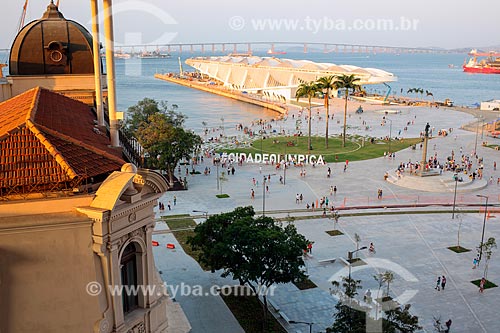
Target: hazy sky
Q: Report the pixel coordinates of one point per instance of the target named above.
(423, 23)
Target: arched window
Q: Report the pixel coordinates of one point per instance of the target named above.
(128, 266)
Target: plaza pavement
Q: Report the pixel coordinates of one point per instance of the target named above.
(412, 244)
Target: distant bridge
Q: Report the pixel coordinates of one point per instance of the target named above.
(276, 47)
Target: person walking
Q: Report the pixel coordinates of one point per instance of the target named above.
(443, 282)
(438, 283)
(252, 194)
(481, 285)
(448, 325)
(175, 200)
(335, 190)
(475, 262)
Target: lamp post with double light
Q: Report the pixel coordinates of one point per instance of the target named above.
(484, 223)
(217, 161)
(390, 134)
(455, 196)
(349, 258)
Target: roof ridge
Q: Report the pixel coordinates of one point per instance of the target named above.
(30, 115)
(81, 143)
(51, 149)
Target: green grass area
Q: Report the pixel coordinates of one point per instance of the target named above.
(487, 285)
(353, 151)
(304, 284)
(221, 196)
(248, 312)
(174, 216)
(334, 232)
(458, 249)
(496, 147)
(180, 223)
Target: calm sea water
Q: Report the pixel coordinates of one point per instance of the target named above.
(427, 71)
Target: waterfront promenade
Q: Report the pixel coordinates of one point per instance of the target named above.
(254, 99)
(413, 245)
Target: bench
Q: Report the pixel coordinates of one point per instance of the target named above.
(274, 305)
(325, 261)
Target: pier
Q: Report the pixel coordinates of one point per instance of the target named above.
(221, 91)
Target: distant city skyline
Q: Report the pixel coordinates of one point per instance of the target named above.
(390, 23)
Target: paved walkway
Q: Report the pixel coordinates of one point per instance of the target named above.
(413, 246)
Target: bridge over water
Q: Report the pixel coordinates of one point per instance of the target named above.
(276, 47)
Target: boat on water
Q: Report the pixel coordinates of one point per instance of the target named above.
(122, 55)
(154, 55)
(488, 65)
(271, 51)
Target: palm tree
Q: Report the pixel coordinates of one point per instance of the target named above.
(326, 83)
(309, 90)
(388, 277)
(347, 82)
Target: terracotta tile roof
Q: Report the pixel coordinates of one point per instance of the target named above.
(83, 160)
(48, 138)
(14, 111)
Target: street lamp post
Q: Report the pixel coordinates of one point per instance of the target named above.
(477, 132)
(482, 127)
(302, 322)
(455, 196)
(216, 160)
(222, 120)
(349, 257)
(390, 135)
(284, 164)
(484, 223)
(264, 197)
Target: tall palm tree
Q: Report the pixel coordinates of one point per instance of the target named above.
(347, 82)
(309, 90)
(326, 83)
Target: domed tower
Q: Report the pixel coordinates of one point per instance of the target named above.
(54, 53)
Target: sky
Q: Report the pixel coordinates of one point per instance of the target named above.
(424, 23)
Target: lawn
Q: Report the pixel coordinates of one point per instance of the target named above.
(354, 150)
(248, 312)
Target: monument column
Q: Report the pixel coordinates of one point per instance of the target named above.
(424, 152)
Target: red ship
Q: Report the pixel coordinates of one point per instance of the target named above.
(489, 65)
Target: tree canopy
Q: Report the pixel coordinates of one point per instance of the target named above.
(160, 132)
(351, 314)
(327, 84)
(254, 250)
(309, 90)
(348, 83)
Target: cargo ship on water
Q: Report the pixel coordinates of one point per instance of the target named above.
(488, 65)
